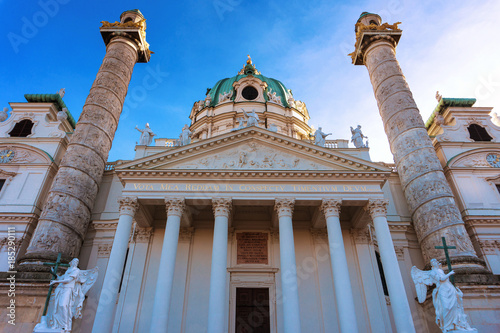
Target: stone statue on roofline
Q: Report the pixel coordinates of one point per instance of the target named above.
(185, 137)
(357, 137)
(447, 298)
(66, 301)
(61, 92)
(146, 135)
(4, 114)
(320, 137)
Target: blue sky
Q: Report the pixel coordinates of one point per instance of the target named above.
(448, 46)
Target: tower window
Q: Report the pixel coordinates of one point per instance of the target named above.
(2, 183)
(250, 93)
(478, 133)
(22, 129)
(128, 19)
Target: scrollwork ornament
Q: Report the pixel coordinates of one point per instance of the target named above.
(284, 207)
(128, 205)
(175, 206)
(378, 207)
(331, 207)
(221, 206)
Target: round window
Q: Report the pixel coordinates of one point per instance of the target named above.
(250, 93)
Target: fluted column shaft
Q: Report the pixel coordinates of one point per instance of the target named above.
(340, 270)
(218, 272)
(289, 286)
(161, 306)
(395, 285)
(103, 321)
(430, 199)
(66, 213)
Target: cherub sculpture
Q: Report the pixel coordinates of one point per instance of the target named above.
(447, 298)
(66, 302)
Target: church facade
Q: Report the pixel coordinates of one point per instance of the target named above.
(250, 221)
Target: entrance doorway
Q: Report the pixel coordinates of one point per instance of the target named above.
(252, 310)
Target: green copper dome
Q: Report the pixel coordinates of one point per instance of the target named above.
(273, 85)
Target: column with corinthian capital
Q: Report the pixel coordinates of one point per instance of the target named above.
(103, 321)
(218, 272)
(397, 292)
(341, 280)
(161, 306)
(289, 287)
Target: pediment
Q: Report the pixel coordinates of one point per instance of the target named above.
(24, 154)
(477, 158)
(252, 149)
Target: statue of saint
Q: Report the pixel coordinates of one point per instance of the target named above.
(252, 118)
(319, 137)
(447, 298)
(66, 302)
(185, 137)
(146, 135)
(357, 137)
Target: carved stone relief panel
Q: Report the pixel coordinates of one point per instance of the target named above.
(253, 156)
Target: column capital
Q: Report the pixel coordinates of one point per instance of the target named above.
(378, 207)
(331, 207)
(222, 206)
(175, 206)
(128, 205)
(284, 206)
(369, 30)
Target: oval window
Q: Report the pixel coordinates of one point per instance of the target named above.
(250, 93)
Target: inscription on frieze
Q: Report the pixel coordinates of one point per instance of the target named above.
(251, 248)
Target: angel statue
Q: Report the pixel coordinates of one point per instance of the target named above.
(447, 298)
(67, 300)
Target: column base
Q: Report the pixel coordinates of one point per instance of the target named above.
(33, 262)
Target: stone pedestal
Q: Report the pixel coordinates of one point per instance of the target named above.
(430, 199)
(66, 213)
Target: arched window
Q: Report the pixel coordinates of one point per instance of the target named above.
(478, 133)
(22, 129)
(373, 22)
(128, 19)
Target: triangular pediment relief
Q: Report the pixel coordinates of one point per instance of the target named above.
(252, 149)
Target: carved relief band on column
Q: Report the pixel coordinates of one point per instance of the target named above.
(221, 206)
(331, 207)
(175, 206)
(284, 206)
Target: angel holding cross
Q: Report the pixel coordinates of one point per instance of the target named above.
(67, 300)
(447, 298)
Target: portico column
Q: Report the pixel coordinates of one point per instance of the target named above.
(397, 292)
(161, 306)
(289, 287)
(103, 321)
(217, 298)
(341, 280)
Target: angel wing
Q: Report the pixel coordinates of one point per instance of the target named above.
(422, 279)
(86, 280)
